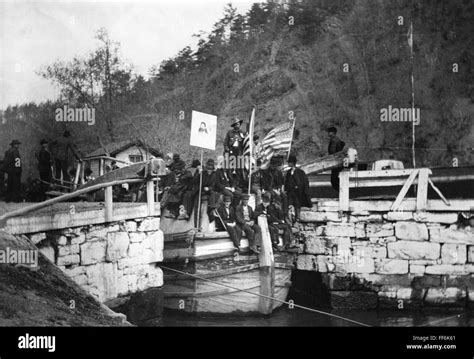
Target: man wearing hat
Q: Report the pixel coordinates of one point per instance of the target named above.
(207, 188)
(276, 181)
(234, 139)
(228, 185)
(61, 147)
(178, 164)
(297, 187)
(246, 223)
(257, 182)
(13, 166)
(269, 211)
(335, 145)
(226, 221)
(191, 182)
(45, 162)
(177, 189)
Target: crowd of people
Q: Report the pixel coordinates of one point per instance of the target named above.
(278, 196)
(35, 190)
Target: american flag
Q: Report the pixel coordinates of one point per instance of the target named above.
(276, 141)
(248, 140)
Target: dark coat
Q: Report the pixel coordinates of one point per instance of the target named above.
(222, 182)
(61, 147)
(298, 184)
(239, 214)
(227, 218)
(335, 145)
(231, 137)
(273, 179)
(44, 160)
(271, 212)
(12, 161)
(257, 178)
(208, 180)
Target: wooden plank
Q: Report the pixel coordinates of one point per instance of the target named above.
(409, 205)
(150, 198)
(63, 198)
(61, 220)
(404, 190)
(267, 269)
(344, 191)
(436, 189)
(383, 173)
(109, 204)
(422, 192)
(324, 163)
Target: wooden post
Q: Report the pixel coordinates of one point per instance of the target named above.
(101, 166)
(150, 198)
(422, 193)
(81, 175)
(78, 174)
(109, 206)
(404, 190)
(344, 191)
(267, 269)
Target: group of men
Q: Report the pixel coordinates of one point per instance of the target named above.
(279, 197)
(12, 166)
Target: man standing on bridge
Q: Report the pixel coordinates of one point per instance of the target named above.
(335, 145)
(44, 167)
(297, 187)
(61, 147)
(12, 165)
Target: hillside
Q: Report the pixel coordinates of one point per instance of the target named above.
(292, 60)
(42, 296)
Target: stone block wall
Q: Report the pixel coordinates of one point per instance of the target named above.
(109, 261)
(389, 259)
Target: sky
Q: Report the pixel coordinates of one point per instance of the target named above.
(37, 33)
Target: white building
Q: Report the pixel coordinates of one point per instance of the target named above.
(127, 151)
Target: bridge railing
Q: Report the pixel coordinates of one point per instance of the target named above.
(108, 186)
(405, 178)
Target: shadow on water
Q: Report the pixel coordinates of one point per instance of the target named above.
(285, 317)
(317, 296)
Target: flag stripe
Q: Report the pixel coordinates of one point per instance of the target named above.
(277, 140)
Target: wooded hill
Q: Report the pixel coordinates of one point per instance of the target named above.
(283, 61)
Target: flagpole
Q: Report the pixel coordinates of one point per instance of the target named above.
(412, 97)
(292, 131)
(252, 116)
(200, 192)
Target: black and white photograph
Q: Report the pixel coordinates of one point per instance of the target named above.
(232, 163)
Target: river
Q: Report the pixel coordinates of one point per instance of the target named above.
(285, 317)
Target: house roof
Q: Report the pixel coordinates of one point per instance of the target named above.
(115, 148)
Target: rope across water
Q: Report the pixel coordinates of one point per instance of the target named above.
(266, 296)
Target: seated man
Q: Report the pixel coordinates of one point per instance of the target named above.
(226, 221)
(175, 193)
(281, 222)
(266, 209)
(228, 185)
(257, 184)
(246, 223)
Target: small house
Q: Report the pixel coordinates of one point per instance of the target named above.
(125, 152)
